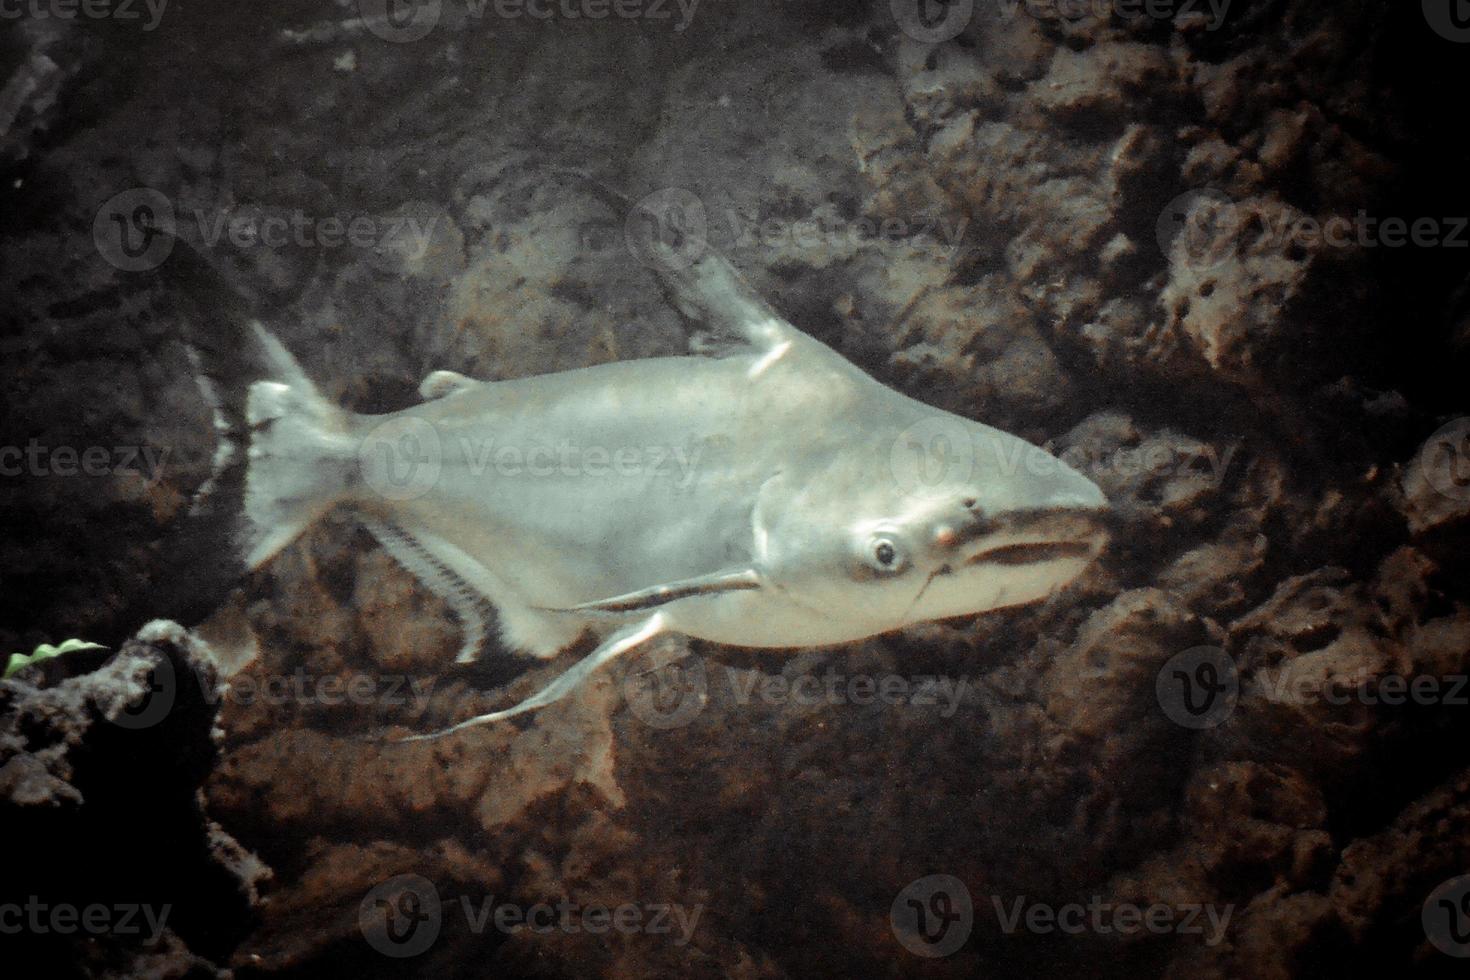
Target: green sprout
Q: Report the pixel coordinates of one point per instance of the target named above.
(46, 651)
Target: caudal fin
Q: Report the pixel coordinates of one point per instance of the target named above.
(283, 455)
(300, 458)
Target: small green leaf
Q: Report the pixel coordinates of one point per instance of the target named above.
(19, 661)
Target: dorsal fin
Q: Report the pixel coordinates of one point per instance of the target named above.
(440, 383)
(700, 282)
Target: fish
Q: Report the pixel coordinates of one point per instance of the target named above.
(760, 491)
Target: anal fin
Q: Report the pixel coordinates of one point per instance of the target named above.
(470, 607)
(470, 589)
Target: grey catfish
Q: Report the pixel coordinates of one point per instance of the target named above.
(760, 492)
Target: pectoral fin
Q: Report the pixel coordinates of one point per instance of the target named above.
(619, 643)
(659, 595)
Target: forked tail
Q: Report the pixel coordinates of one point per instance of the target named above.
(283, 454)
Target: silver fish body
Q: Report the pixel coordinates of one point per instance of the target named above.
(602, 481)
(773, 495)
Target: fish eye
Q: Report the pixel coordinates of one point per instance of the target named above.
(885, 555)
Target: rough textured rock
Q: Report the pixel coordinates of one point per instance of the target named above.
(1084, 229)
(100, 774)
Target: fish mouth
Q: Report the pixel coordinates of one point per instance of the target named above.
(1035, 552)
(1033, 538)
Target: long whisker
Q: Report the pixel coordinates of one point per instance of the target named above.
(922, 589)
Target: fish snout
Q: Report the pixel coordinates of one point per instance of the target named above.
(1075, 492)
(1012, 474)
(1029, 537)
(1053, 485)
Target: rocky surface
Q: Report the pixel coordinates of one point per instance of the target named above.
(101, 774)
(1085, 230)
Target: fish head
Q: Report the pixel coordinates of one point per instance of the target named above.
(869, 537)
